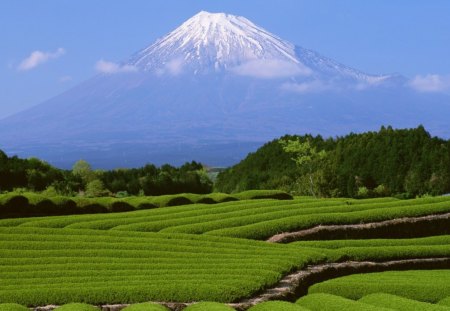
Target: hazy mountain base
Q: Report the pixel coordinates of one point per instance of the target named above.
(213, 119)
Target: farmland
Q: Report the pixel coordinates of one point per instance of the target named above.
(218, 252)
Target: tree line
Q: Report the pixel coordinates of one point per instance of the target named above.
(38, 176)
(397, 162)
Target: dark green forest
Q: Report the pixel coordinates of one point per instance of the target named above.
(391, 162)
(399, 162)
(36, 175)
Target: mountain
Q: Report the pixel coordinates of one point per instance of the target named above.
(215, 88)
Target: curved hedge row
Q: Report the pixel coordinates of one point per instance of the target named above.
(426, 286)
(43, 266)
(400, 303)
(327, 302)
(32, 204)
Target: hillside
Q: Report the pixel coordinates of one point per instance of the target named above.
(405, 162)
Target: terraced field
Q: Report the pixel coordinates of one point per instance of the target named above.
(203, 252)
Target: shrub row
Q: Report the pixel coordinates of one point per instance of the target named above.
(400, 303)
(258, 219)
(43, 266)
(32, 204)
(263, 229)
(426, 286)
(327, 302)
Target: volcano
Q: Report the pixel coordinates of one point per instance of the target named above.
(212, 90)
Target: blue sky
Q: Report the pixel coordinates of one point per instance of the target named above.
(51, 45)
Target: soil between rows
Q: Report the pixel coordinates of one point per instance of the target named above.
(406, 227)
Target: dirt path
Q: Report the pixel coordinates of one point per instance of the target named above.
(405, 227)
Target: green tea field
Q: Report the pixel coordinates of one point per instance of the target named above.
(259, 254)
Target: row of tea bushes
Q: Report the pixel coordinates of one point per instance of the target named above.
(32, 204)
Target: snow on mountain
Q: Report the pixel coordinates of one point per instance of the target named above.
(215, 41)
(219, 42)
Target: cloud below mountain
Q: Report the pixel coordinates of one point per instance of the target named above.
(314, 86)
(103, 66)
(271, 68)
(431, 83)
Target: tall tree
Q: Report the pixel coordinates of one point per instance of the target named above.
(306, 157)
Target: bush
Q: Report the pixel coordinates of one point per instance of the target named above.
(399, 303)
(12, 307)
(13, 204)
(327, 302)
(263, 194)
(363, 193)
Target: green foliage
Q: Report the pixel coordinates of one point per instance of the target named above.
(263, 194)
(83, 170)
(445, 301)
(382, 249)
(48, 266)
(327, 302)
(31, 204)
(363, 192)
(268, 168)
(426, 286)
(36, 175)
(110, 258)
(407, 161)
(12, 307)
(264, 225)
(146, 306)
(400, 303)
(208, 306)
(96, 188)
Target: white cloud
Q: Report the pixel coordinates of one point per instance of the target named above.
(38, 57)
(175, 66)
(314, 86)
(430, 83)
(111, 68)
(271, 68)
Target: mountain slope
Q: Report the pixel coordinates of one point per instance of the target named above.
(212, 90)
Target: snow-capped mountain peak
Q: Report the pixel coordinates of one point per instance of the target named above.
(213, 41)
(219, 42)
